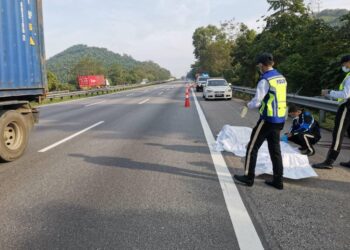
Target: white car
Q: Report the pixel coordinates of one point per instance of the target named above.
(217, 89)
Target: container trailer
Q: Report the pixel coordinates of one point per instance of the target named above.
(22, 73)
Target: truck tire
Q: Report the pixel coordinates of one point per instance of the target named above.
(13, 136)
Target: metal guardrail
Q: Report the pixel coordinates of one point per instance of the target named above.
(305, 101)
(322, 105)
(63, 94)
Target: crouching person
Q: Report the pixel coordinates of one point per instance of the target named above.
(305, 130)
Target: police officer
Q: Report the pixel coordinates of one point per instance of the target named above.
(342, 120)
(305, 130)
(270, 97)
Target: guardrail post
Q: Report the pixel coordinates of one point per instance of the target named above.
(322, 117)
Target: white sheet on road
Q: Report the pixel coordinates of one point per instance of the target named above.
(235, 139)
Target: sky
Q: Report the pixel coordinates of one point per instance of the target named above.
(157, 30)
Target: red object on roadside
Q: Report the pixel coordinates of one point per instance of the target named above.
(187, 99)
(91, 82)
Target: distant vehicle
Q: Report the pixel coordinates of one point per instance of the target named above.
(201, 80)
(91, 82)
(144, 81)
(22, 73)
(217, 88)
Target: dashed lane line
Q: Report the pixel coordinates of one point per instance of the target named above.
(70, 137)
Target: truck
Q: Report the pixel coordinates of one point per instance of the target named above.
(22, 73)
(91, 82)
(201, 81)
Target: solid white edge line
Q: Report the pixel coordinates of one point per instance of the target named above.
(92, 104)
(144, 101)
(244, 229)
(69, 138)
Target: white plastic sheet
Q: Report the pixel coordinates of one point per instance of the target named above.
(235, 139)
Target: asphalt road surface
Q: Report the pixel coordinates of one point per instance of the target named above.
(133, 170)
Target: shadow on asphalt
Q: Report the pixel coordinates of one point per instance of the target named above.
(182, 148)
(125, 163)
(68, 225)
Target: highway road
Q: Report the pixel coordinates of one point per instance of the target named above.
(133, 170)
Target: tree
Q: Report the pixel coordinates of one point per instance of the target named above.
(52, 81)
(243, 58)
(88, 66)
(204, 36)
(306, 49)
(117, 74)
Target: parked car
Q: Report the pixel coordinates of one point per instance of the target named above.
(217, 88)
(200, 82)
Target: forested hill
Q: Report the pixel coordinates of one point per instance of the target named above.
(64, 63)
(332, 17)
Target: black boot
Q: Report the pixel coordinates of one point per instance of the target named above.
(345, 164)
(327, 164)
(276, 183)
(249, 181)
(307, 152)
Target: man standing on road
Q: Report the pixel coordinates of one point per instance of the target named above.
(342, 119)
(271, 98)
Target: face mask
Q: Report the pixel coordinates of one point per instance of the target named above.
(345, 69)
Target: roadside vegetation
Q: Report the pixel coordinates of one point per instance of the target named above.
(306, 46)
(64, 68)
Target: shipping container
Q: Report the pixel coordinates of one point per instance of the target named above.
(22, 57)
(91, 82)
(22, 73)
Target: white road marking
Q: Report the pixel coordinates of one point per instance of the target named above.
(69, 138)
(161, 93)
(244, 229)
(130, 94)
(144, 101)
(93, 104)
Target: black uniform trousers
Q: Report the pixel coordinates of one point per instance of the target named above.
(265, 131)
(342, 123)
(305, 140)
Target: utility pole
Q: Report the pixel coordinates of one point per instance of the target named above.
(316, 5)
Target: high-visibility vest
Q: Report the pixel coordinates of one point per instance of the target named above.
(274, 105)
(342, 85)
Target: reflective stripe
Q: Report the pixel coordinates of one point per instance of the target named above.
(341, 124)
(252, 144)
(342, 85)
(308, 143)
(269, 105)
(274, 104)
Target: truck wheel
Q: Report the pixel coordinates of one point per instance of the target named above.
(13, 136)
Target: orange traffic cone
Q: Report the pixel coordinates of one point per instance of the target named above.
(187, 99)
